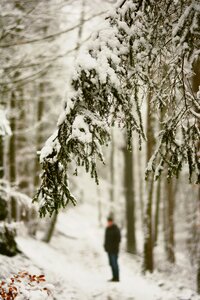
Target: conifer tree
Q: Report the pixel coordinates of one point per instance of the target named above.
(143, 46)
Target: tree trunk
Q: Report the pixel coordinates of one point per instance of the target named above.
(51, 227)
(157, 211)
(12, 153)
(99, 206)
(130, 201)
(195, 87)
(12, 144)
(198, 255)
(158, 189)
(148, 264)
(112, 174)
(140, 183)
(1, 157)
(170, 199)
(81, 26)
(40, 112)
(24, 166)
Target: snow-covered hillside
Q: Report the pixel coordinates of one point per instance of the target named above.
(76, 264)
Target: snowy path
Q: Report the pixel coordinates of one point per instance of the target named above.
(77, 265)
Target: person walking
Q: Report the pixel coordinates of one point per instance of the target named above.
(111, 245)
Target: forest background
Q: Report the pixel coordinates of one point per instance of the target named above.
(39, 43)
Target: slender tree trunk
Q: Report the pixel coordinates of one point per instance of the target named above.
(51, 227)
(170, 200)
(158, 190)
(140, 182)
(12, 144)
(99, 206)
(195, 87)
(198, 253)
(39, 133)
(81, 26)
(1, 157)
(112, 175)
(148, 263)
(196, 77)
(12, 153)
(157, 211)
(165, 223)
(192, 219)
(130, 201)
(23, 164)
(39, 140)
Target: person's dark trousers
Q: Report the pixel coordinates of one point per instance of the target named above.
(113, 261)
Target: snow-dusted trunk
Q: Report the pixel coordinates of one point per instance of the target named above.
(99, 206)
(196, 88)
(39, 139)
(170, 201)
(158, 189)
(130, 200)
(81, 26)
(51, 227)
(148, 264)
(1, 157)
(140, 183)
(198, 260)
(196, 77)
(23, 164)
(12, 143)
(157, 211)
(112, 172)
(12, 153)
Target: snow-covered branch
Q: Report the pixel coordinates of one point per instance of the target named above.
(142, 48)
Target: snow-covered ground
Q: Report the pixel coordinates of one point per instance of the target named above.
(76, 264)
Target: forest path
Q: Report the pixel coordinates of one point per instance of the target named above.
(75, 262)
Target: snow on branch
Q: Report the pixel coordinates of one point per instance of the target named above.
(143, 48)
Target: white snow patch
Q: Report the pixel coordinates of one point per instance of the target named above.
(51, 144)
(4, 124)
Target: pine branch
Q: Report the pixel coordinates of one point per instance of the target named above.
(125, 63)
